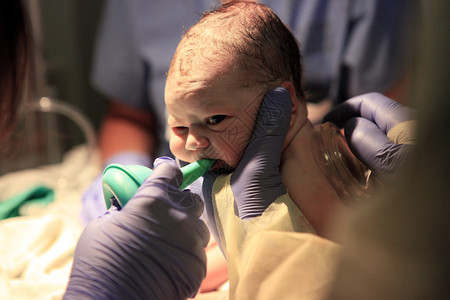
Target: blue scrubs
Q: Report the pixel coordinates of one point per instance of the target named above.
(349, 47)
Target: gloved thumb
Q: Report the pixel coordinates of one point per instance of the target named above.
(371, 146)
(379, 109)
(383, 111)
(166, 170)
(274, 115)
(256, 183)
(167, 174)
(269, 131)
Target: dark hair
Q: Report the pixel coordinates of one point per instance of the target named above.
(15, 61)
(263, 44)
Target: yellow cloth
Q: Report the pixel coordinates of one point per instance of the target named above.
(403, 133)
(274, 256)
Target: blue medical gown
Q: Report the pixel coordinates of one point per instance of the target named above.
(349, 47)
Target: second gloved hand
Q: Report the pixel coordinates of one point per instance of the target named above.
(256, 182)
(151, 249)
(379, 131)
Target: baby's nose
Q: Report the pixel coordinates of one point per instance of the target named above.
(196, 142)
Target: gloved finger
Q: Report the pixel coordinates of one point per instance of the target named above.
(167, 206)
(259, 167)
(274, 114)
(345, 111)
(166, 169)
(158, 199)
(268, 135)
(189, 201)
(192, 203)
(158, 186)
(168, 177)
(371, 146)
(365, 140)
(381, 110)
(208, 181)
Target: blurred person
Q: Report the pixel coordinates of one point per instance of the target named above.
(397, 246)
(15, 63)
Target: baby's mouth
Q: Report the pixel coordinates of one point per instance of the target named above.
(221, 166)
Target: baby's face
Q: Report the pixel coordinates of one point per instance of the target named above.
(210, 115)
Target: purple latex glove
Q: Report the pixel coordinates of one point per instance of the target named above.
(151, 249)
(256, 182)
(368, 121)
(93, 202)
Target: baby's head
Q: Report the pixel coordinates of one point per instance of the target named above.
(222, 68)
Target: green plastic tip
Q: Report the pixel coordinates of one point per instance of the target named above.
(194, 170)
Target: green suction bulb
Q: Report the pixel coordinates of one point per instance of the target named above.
(122, 182)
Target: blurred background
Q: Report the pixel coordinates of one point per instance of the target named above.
(65, 110)
(65, 31)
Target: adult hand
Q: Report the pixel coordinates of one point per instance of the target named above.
(151, 249)
(256, 182)
(93, 202)
(379, 131)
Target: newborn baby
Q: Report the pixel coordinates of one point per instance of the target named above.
(222, 68)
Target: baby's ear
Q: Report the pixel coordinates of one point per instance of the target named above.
(296, 104)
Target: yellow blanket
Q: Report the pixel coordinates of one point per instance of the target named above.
(274, 256)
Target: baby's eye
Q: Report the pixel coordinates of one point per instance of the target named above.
(180, 130)
(216, 119)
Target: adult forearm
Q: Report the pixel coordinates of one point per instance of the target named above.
(125, 129)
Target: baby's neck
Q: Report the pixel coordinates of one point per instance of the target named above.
(308, 188)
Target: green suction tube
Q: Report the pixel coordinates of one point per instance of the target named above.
(122, 182)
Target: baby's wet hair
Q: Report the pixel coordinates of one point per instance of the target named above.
(253, 38)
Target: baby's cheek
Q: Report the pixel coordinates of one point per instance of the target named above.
(233, 151)
(177, 146)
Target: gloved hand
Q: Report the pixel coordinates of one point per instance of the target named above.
(151, 249)
(93, 203)
(379, 131)
(256, 182)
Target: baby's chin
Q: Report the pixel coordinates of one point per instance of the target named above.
(222, 166)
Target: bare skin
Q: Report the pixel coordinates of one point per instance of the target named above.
(302, 177)
(128, 127)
